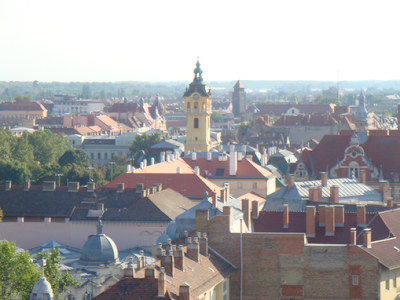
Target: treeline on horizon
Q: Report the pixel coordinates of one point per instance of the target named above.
(174, 89)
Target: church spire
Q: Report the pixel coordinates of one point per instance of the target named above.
(198, 71)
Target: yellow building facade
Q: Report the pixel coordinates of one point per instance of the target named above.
(198, 110)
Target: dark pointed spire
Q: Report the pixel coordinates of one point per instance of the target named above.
(198, 71)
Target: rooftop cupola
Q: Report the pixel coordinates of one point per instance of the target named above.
(42, 289)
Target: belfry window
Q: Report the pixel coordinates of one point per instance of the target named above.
(196, 105)
(188, 106)
(196, 123)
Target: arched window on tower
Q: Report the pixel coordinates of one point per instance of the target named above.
(196, 123)
(188, 107)
(196, 106)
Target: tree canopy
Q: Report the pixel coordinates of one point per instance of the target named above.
(143, 142)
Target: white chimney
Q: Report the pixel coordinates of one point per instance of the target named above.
(194, 156)
(162, 156)
(178, 170)
(128, 169)
(152, 161)
(233, 162)
(197, 170)
(142, 165)
(167, 157)
(209, 155)
(240, 156)
(133, 169)
(145, 163)
(172, 157)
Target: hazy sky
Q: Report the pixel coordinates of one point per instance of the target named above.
(159, 40)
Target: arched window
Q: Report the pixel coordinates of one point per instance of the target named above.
(354, 168)
(188, 106)
(196, 105)
(196, 123)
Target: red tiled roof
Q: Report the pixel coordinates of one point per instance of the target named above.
(121, 107)
(304, 108)
(252, 196)
(23, 106)
(272, 221)
(245, 167)
(186, 183)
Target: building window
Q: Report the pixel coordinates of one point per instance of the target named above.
(354, 279)
(354, 169)
(254, 185)
(195, 138)
(188, 106)
(387, 282)
(196, 106)
(239, 185)
(98, 155)
(196, 123)
(112, 155)
(91, 155)
(105, 155)
(394, 280)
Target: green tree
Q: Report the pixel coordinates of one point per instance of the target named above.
(18, 274)
(60, 281)
(217, 117)
(143, 143)
(74, 156)
(23, 98)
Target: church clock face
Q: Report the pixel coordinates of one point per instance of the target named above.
(196, 97)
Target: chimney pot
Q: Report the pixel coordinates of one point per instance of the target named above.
(254, 209)
(361, 215)
(291, 181)
(310, 221)
(194, 156)
(214, 199)
(184, 292)
(286, 216)
(367, 237)
(329, 220)
(353, 236)
(324, 178)
(334, 194)
(228, 211)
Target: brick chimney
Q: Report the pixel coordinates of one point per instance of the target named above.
(227, 190)
(329, 220)
(255, 210)
(203, 243)
(167, 262)
(361, 216)
(334, 193)
(311, 194)
(324, 178)
(290, 181)
(222, 195)
(321, 215)
(319, 193)
(389, 202)
(367, 237)
(129, 271)
(184, 292)
(363, 176)
(384, 189)
(162, 284)
(310, 221)
(286, 216)
(150, 273)
(246, 212)
(179, 258)
(193, 249)
(227, 210)
(339, 215)
(214, 198)
(353, 236)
